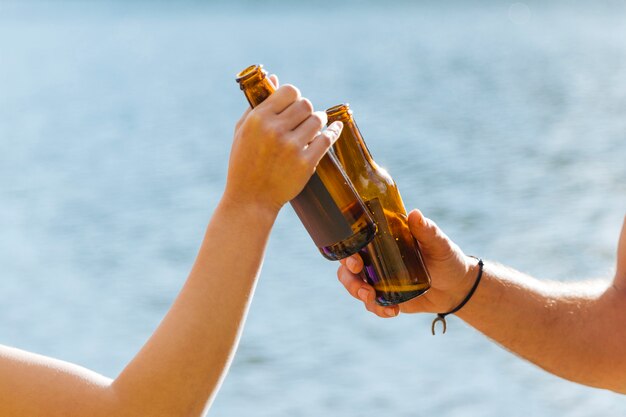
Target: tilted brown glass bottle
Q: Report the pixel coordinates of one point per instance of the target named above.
(328, 206)
(393, 261)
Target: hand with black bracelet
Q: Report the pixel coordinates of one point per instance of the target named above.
(558, 326)
(453, 273)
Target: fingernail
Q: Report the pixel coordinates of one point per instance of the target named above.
(390, 312)
(338, 125)
(351, 263)
(334, 130)
(363, 293)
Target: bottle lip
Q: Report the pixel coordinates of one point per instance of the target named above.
(339, 112)
(249, 72)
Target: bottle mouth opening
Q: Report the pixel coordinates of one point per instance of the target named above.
(249, 72)
(339, 112)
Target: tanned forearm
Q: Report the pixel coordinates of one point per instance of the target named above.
(574, 330)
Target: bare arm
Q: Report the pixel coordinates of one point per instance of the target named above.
(180, 368)
(574, 330)
(182, 363)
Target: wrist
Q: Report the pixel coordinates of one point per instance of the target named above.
(441, 317)
(261, 210)
(466, 282)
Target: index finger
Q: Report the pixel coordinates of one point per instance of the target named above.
(354, 263)
(361, 290)
(282, 98)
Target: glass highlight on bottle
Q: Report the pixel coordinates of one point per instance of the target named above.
(328, 206)
(393, 261)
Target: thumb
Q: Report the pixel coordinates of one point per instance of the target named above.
(433, 241)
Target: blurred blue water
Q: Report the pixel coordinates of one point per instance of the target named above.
(504, 124)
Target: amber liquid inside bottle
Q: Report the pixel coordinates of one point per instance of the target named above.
(393, 260)
(328, 206)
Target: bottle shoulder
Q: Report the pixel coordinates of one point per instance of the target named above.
(382, 175)
(379, 176)
(376, 183)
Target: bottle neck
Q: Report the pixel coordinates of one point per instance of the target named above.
(255, 85)
(350, 147)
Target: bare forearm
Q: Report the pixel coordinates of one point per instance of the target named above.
(573, 330)
(275, 150)
(200, 332)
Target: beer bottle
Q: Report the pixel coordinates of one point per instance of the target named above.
(328, 206)
(393, 263)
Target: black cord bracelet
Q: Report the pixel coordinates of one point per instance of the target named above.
(442, 316)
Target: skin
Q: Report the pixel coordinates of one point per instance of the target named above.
(275, 150)
(573, 330)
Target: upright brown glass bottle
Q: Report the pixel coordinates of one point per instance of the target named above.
(328, 206)
(393, 261)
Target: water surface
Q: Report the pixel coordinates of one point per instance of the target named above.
(115, 128)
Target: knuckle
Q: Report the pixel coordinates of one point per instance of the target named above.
(319, 119)
(291, 91)
(346, 281)
(340, 274)
(383, 315)
(432, 226)
(352, 290)
(255, 117)
(292, 147)
(274, 133)
(307, 105)
(325, 140)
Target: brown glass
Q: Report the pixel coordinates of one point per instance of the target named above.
(328, 206)
(393, 260)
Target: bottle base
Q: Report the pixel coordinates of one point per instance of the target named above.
(397, 297)
(350, 246)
